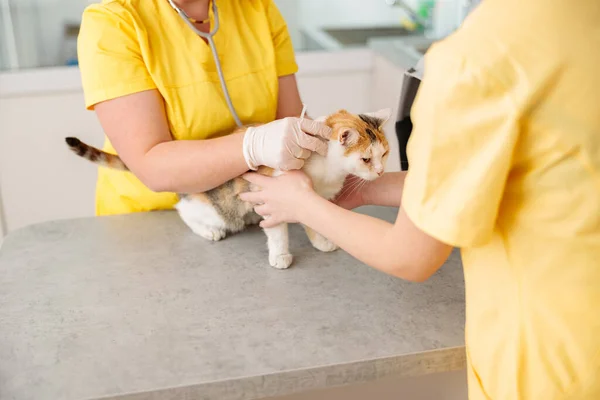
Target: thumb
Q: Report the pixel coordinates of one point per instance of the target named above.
(293, 163)
(269, 223)
(256, 178)
(316, 128)
(312, 143)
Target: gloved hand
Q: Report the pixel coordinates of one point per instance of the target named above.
(284, 144)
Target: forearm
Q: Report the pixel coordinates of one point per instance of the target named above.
(373, 241)
(289, 103)
(386, 191)
(192, 166)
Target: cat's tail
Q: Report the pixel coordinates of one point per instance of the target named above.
(95, 155)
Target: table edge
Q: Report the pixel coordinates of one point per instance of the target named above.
(314, 378)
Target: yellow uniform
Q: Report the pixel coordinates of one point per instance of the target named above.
(128, 46)
(505, 163)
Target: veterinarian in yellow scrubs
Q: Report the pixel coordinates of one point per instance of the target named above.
(505, 164)
(141, 59)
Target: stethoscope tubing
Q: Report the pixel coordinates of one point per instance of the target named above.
(209, 37)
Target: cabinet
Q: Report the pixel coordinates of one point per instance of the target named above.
(40, 179)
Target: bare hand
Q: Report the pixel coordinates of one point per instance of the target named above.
(352, 194)
(280, 198)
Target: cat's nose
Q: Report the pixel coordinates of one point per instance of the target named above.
(379, 171)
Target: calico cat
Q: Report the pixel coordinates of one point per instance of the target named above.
(358, 146)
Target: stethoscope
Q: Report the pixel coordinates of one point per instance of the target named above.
(209, 37)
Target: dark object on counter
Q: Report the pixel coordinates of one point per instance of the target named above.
(68, 49)
(404, 126)
(403, 131)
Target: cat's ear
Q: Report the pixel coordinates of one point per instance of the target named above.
(349, 137)
(382, 116)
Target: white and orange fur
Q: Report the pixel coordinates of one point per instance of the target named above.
(358, 146)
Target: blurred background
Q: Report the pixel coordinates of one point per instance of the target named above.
(351, 54)
(43, 33)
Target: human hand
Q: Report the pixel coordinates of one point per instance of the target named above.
(280, 198)
(284, 144)
(352, 194)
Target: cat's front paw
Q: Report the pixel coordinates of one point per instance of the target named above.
(323, 244)
(281, 261)
(209, 233)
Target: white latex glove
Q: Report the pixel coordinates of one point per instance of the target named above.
(285, 144)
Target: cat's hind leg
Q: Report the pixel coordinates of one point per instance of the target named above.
(319, 241)
(278, 244)
(201, 217)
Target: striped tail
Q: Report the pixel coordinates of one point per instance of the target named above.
(95, 155)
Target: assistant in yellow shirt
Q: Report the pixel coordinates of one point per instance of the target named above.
(505, 163)
(128, 46)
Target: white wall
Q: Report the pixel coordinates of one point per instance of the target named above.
(313, 14)
(38, 26)
(340, 13)
(41, 180)
(39, 23)
(2, 222)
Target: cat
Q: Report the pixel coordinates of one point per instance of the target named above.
(358, 146)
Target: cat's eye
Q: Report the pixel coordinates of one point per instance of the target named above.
(366, 160)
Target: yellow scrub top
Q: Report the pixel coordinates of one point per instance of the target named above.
(505, 164)
(128, 46)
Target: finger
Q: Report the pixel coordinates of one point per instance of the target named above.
(316, 128)
(294, 163)
(256, 178)
(299, 152)
(313, 143)
(251, 197)
(304, 154)
(269, 223)
(262, 210)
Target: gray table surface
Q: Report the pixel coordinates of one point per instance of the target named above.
(138, 307)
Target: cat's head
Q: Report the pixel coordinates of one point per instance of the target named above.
(359, 140)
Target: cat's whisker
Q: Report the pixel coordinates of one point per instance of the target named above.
(356, 181)
(349, 189)
(356, 187)
(346, 189)
(352, 187)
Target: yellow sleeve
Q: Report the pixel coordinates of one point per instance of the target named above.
(110, 60)
(460, 151)
(285, 58)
